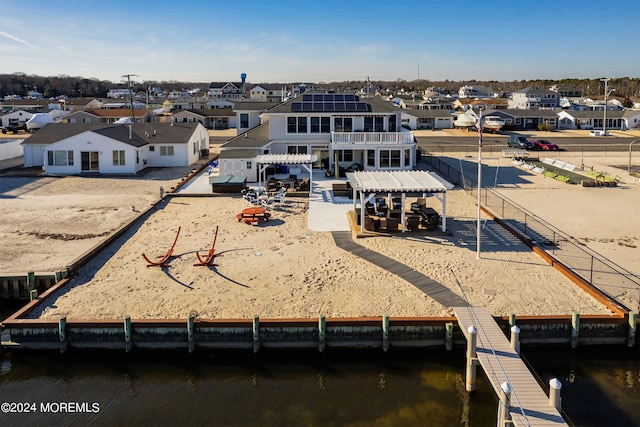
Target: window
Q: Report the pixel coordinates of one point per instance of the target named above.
(291, 125)
(371, 158)
(152, 148)
(166, 150)
(118, 157)
(249, 165)
(345, 156)
(60, 158)
(384, 159)
(297, 149)
(343, 124)
(395, 158)
(315, 124)
(325, 125)
(244, 121)
(302, 125)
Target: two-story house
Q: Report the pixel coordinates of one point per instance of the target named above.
(266, 92)
(339, 129)
(533, 98)
(227, 90)
(476, 91)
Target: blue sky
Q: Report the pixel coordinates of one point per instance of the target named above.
(314, 41)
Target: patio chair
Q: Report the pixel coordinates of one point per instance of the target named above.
(279, 198)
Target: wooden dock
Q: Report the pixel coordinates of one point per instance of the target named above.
(529, 403)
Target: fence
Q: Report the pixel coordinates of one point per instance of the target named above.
(610, 278)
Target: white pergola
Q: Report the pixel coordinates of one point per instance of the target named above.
(370, 183)
(305, 160)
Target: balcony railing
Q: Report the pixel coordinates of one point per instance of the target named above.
(371, 138)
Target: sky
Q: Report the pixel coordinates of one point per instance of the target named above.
(321, 41)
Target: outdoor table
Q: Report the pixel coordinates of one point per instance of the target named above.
(253, 215)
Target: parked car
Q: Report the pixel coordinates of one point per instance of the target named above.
(14, 127)
(543, 144)
(519, 141)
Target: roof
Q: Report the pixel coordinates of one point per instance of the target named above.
(251, 105)
(117, 112)
(425, 112)
(286, 159)
(536, 90)
(398, 182)
(250, 153)
(596, 114)
(518, 112)
(377, 106)
(257, 137)
(142, 133)
(208, 112)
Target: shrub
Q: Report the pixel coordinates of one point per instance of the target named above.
(545, 127)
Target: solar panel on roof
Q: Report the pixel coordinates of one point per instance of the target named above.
(307, 106)
(328, 106)
(318, 106)
(318, 97)
(307, 98)
(328, 97)
(338, 97)
(296, 106)
(339, 106)
(350, 106)
(349, 98)
(361, 106)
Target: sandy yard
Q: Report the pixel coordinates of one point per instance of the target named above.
(282, 269)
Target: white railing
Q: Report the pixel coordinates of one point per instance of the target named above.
(363, 138)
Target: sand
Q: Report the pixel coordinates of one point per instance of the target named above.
(282, 269)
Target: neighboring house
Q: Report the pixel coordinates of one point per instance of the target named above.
(227, 90)
(17, 116)
(82, 117)
(525, 119)
(68, 149)
(589, 119)
(476, 91)
(533, 98)
(113, 115)
(336, 128)
(189, 103)
(566, 91)
(267, 93)
(475, 104)
(427, 119)
(218, 118)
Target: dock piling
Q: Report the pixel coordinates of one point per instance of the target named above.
(631, 339)
(62, 334)
(256, 335)
(448, 336)
(575, 328)
(515, 338)
(504, 415)
(471, 358)
(127, 334)
(322, 326)
(33, 294)
(512, 319)
(190, 337)
(31, 280)
(385, 332)
(554, 393)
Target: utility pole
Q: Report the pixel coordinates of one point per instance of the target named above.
(133, 114)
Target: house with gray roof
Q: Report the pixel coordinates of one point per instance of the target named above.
(211, 118)
(340, 129)
(533, 98)
(427, 119)
(73, 149)
(525, 119)
(590, 119)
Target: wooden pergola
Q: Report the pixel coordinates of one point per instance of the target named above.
(304, 160)
(371, 183)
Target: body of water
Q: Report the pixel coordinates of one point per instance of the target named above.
(418, 388)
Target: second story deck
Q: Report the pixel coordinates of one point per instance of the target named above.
(371, 138)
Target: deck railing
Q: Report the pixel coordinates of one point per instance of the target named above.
(347, 138)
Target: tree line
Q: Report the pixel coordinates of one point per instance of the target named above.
(53, 86)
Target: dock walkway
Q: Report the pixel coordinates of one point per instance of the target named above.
(529, 403)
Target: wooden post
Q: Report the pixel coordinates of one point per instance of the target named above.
(512, 319)
(33, 294)
(322, 325)
(554, 393)
(31, 280)
(58, 276)
(515, 338)
(504, 403)
(471, 358)
(448, 337)
(385, 332)
(62, 334)
(575, 328)
(127, 334)
(190, 337)
(256, 335)
(631, 338)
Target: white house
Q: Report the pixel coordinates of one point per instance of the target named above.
(266, 92)
(590, 119)
(533, 98)
(427, 119)
(17, 116)
(69, 149)
(341, 130)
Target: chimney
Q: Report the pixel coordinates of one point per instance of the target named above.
(130, 132)
(171, 121)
